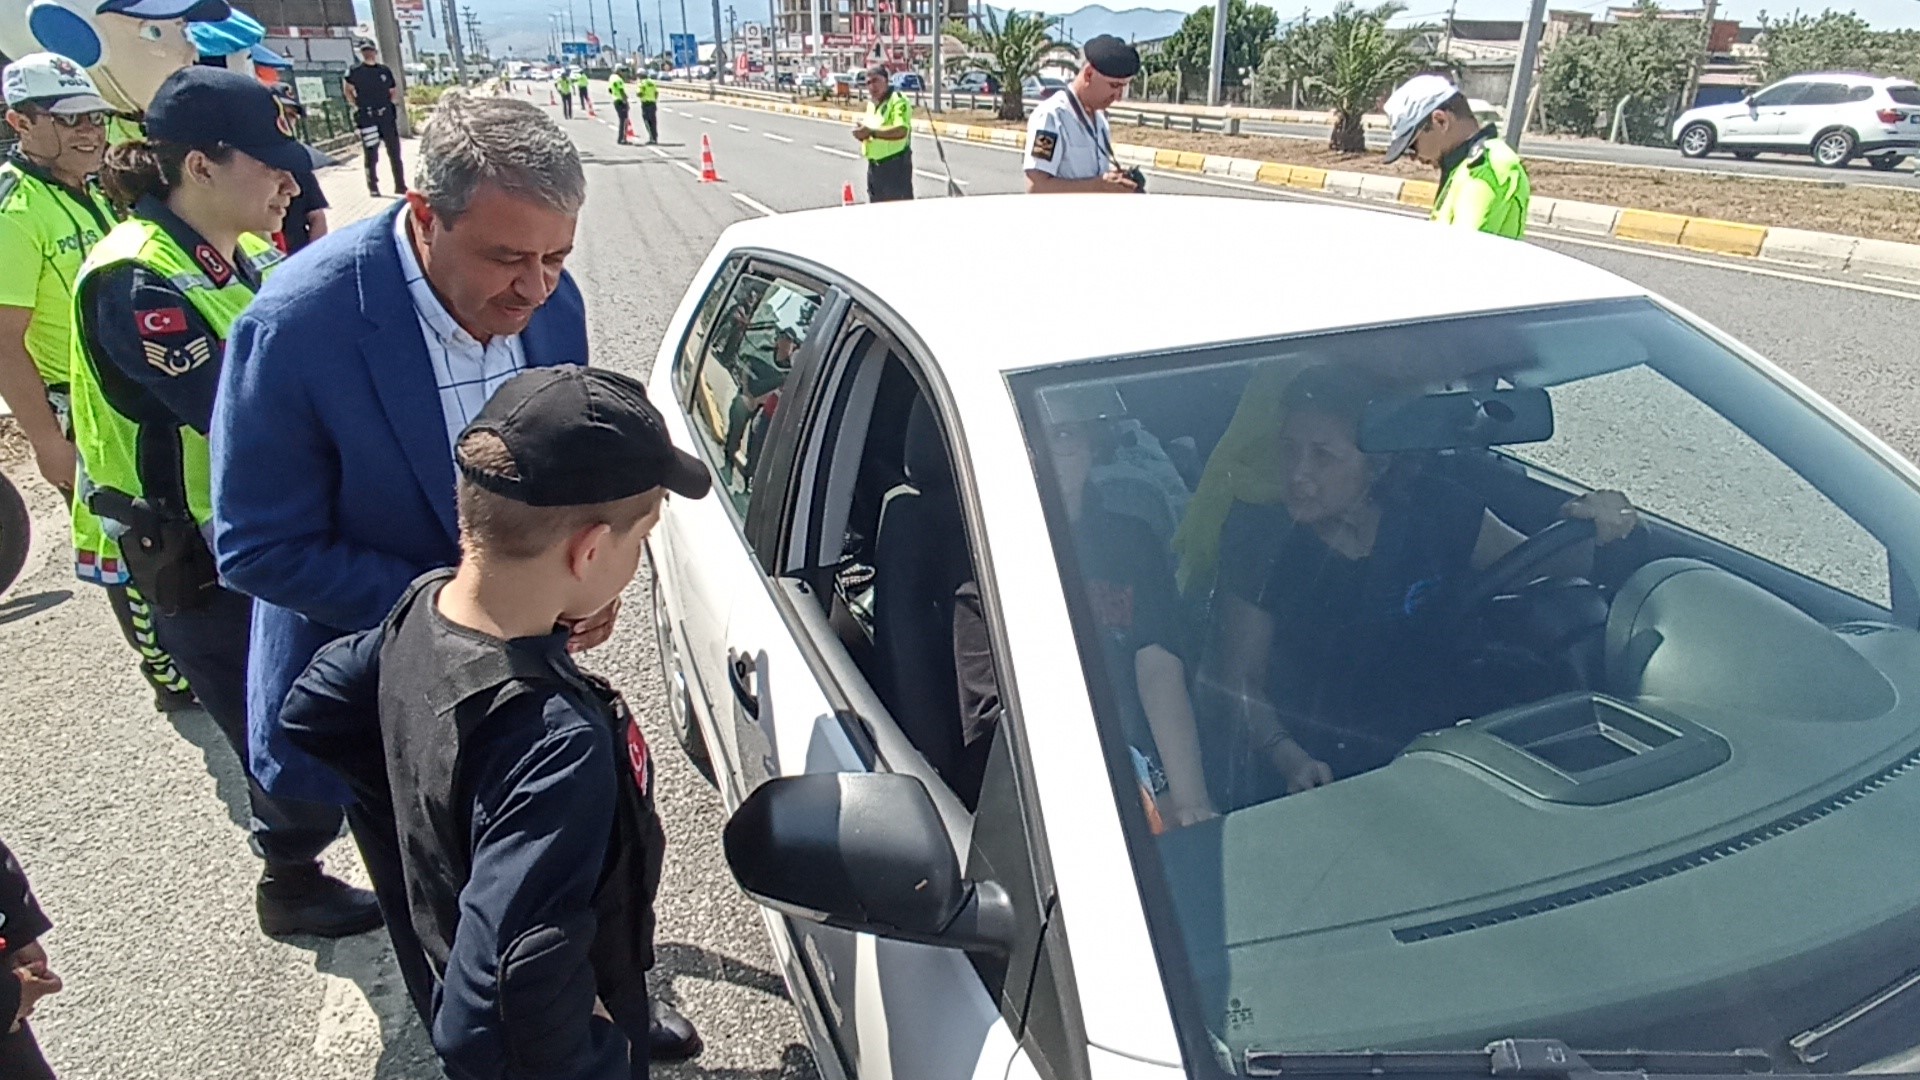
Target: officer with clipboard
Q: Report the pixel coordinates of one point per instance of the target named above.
(1069, 144)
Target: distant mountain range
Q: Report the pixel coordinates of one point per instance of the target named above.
(513, 24)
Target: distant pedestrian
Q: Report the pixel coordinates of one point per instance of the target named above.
(617, 90)
(1069, 144)
(885, 134)
(375, 97)
(1483, 182)
(650, 107)
(25, 975)
(582, 84)
(520, 786)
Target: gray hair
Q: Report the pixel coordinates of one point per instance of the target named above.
(511, 144)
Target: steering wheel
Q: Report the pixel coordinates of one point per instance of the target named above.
(1523, 563)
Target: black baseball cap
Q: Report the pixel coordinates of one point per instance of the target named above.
(1112, 57)
(580, 436)
(204, 107)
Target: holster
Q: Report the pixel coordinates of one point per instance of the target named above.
(165, 554)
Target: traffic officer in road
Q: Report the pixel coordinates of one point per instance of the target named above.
(617, 89)
(51, 214)
(583, 84)
(650, 106)
(518, 787)
(563, 85)
(1483, 183)
(153, 305)
(885, 134)
(1069, 145)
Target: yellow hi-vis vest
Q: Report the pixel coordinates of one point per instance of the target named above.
(107, 439)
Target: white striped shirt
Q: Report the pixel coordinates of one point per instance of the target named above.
(466, 371)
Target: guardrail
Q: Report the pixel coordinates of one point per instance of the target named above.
(1140, 115)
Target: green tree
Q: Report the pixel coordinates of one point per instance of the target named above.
(1249, 28)
(1640, 61)
(1009, 50)
(1358, 64)
(1835, 41)
(1284, 78)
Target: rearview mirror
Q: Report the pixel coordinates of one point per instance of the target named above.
(1471, 418)
(864, 852)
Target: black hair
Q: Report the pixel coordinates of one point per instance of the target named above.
(141, 167)
(1459, 106)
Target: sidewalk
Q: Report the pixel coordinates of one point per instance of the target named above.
(346, 184)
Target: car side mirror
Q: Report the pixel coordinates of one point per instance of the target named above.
(865, 852)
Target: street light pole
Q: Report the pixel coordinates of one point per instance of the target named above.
(1522, 91)
(1217, 70)
(713, 84)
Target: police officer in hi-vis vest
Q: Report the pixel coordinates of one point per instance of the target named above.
(153, 305)
(51, 214)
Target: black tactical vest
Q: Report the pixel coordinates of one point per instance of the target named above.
(437, 686)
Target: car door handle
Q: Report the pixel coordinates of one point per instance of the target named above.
(740, 676)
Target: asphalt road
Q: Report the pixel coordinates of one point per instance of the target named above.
(128, 822)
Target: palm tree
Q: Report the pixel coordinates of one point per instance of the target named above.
(1010, 51)
(1362, 61)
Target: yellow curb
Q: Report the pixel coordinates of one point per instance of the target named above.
(1166, 159)
(1305, 176)
(1274, 174)
(1650, 226)
(1190, 162)
(1419, 193)
(980, 134)
(1723, 237)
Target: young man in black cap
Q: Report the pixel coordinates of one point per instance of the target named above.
(1069, 146)
(518, 786)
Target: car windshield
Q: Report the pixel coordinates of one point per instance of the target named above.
(1549, 673)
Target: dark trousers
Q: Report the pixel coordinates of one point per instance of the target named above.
(650, 116)
(209, 646)
(890, 180)
(566, 105)
(375, 130)
(136, 625)
(583, 94)
(20, 1057)
(620, 120)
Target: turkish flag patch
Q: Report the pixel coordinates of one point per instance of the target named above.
(639, 758)
(215, 266)
(160, 322)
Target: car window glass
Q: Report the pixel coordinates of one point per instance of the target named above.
(1904, 95)
(688, 359)
(1380, 720)
(1823, 94)
(749, 355)
(1784, 94)
(1860, 93)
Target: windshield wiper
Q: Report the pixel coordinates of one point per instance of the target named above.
(1547, 1058)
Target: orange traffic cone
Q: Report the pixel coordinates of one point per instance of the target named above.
(590, 111)
(707, 173)
(551, 100)
(630, 134)
(846, 195)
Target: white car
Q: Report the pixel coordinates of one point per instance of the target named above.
(1001, 631)
(1834, 117)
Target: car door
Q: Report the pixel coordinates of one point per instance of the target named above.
(1754, 120)
(894, 1009)
(1816, 109)
(729, 375)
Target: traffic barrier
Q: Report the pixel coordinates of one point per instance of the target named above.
(1216, 165)
(1420, 193)
(1650, 226)
(1187, 161)
(1273, 173)
(1243, 169)
(1540, 212)
(1723, 237)
(846, 195)
(1306, 176)
(1886, 258)
(1584, 217)
(1814, 250)
(707, 173)
(1344, 183)
(1380, 188)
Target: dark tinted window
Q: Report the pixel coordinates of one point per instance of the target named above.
(1904, 95)
(1860, 93)
(1784, 94)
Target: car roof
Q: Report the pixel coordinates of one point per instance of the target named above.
(1008, 282)
(1846, 77)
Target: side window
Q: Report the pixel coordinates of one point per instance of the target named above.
(1860, 93)
(749, 354)
(688, 359)
(1784, 94)
(1824, 94)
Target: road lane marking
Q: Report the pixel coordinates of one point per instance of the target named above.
(836, 151)
(657, 152)
(942, 177)
(688, 115)
(689, 168)
(708, 120)
(738, 127)
(776, 138)
(753, 204)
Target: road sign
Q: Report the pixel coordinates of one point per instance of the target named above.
(686, 50)
(576, 50)
(752, 31)
(311, 89)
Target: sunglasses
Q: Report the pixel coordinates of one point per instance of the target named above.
(75, 121)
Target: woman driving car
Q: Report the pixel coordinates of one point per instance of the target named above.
(1333, 635)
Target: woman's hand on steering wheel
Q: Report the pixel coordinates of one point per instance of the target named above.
(1613, 516)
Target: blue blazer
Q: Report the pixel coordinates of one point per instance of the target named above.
(333, 484)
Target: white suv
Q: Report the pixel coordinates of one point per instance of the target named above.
(1834, 117)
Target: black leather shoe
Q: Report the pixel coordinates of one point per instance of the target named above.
(173, 701)
(302, 900)
(673, 1036)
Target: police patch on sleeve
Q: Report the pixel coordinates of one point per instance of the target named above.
(174, 361)
(1044, 143)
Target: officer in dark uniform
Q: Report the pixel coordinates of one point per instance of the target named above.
(25, 977)
(518, 787)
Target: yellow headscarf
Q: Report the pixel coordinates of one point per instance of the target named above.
(1244, 467)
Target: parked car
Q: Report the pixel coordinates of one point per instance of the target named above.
(976, 82)
(1040, 87)
(1834, 117)
(1657, 795)
(807, 80)
(909, 81)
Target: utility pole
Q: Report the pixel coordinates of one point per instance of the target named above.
(773, 41)
(1522, 92)
(937, 61)
(455, 51)
(613, 34)
(1217, 70)
(1699, 61)
(1446, 40)
(713, 84)
(386, 32)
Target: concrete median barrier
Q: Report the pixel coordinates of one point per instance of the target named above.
(1215, 165)
(1244, 169)
(1380, 188)
(1584, 217)
(1419, 193)
(1886, 259)
(1348, 184)
(1723, 237)
(1650, 226)
(1815, 250)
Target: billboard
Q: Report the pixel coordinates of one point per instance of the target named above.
(576, 50)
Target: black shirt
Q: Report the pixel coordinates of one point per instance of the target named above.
(372, 88)
(1358, 665)
(310, 199)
